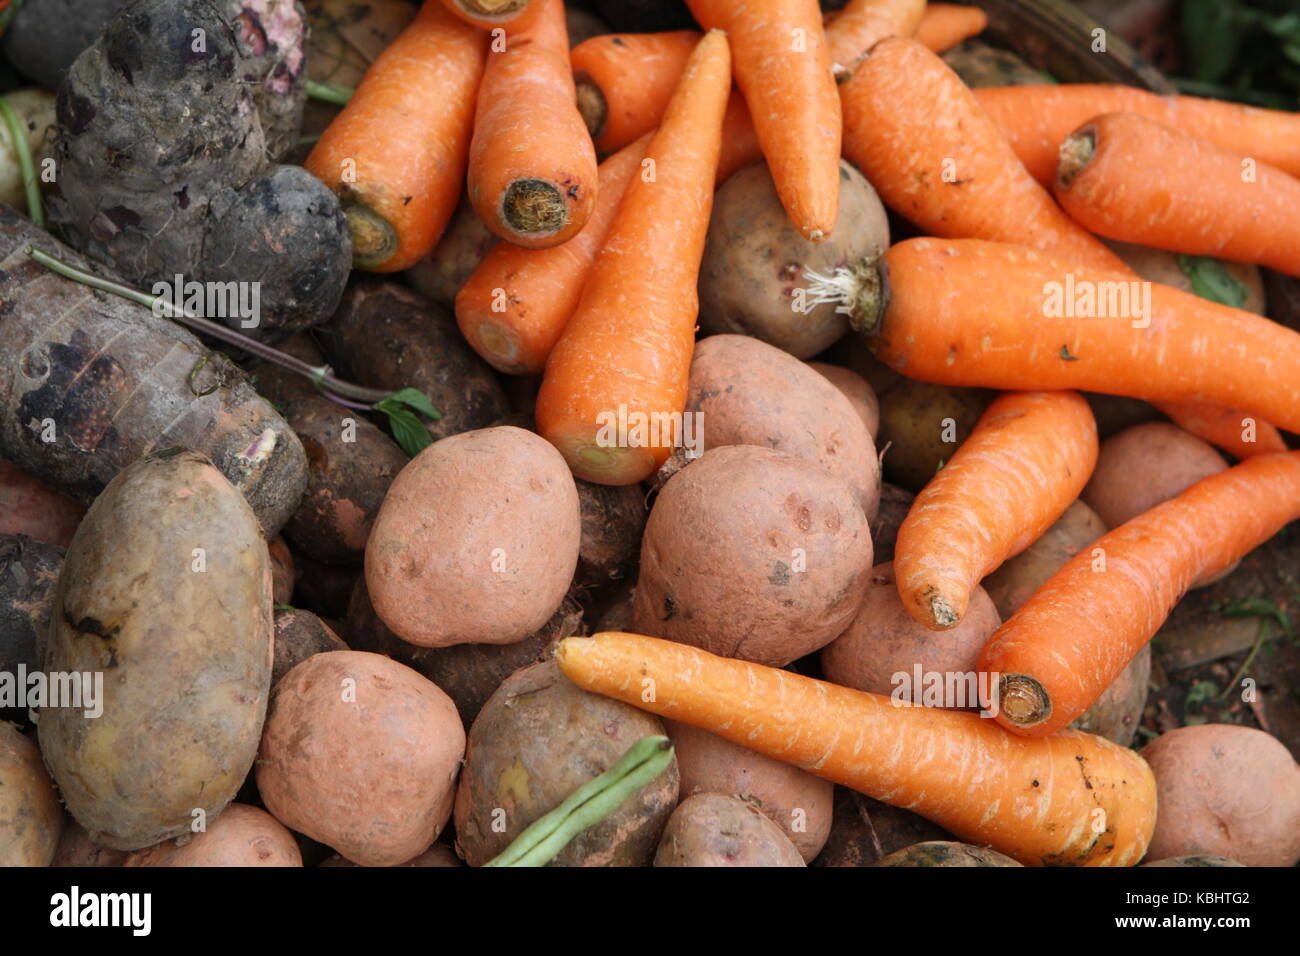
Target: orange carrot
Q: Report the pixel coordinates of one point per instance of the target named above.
(1068, 800)
(783, 68)
(1036, 120)
(628, 345)
(1128, 177)
(917, 132)
(1240, 435)
(1029, 456)
(1073, 637)
(396, 153)
(944, 25)
(968, 312)
(511, 15)
(861, 24)
(532, 166)
(514, 306)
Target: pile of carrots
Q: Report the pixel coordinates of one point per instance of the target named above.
(594, 286)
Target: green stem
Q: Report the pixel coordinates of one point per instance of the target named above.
(589, 804)
(35, 211)
(1241, 671)
(329, 92)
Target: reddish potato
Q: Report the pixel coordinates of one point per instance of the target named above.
(240, 836)
(29, 507)
(1201, 860)
(857, 390)
(77, 849)
(31, 818)
(712, 829)
(437, 855)
(282, 573)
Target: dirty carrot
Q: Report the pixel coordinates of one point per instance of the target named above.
(1036, 120)
(1073, 637)
(532, 166)
(944, 25)
(1027, 459)
(395, 153)
(969, 312)
(511, 15)
(860, 24)
(783, 69)
(1128, 177)
(918, 134)
(1240, 435)
(1071, 799)
(628, 345)
(516, 303)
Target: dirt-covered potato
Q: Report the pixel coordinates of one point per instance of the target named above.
(613, 517)
(282, 570)
(1199, 860)
(437, 855)
(360, 753)
(45, 36)
(477, 540)
(1116, 714)
(713, 829)
(1019, 577)
(29, 572)
(240, 836)
(30, 508)
(166, 592)
(1157, 265)
(884, 645)
(796, 801)
(754, 554)
(1225, 790)
(944, 853)
(754, 275)
(536, 740)
(1145, 465)
(749, 393)
(857, 390)
(922, 425)
(298, 635)
(464, 243)
(31, 819)
(895, 503)
(77, 849)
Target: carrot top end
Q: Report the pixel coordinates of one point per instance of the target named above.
(532, 207)
(1024, 701)
(374, 240)
(1076, 151)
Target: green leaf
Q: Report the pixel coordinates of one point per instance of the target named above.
(1200, 692)
(407, 429)
(285, 607)
(415, 399)
(1212, 34)
(1211, 280)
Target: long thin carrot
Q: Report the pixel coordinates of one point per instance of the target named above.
(918, 134)
(1068, 800)
(783, 68)
(1060, 651)
(510, 15)
(1028, 457)
(532, 166)
(514, 306)
(860, 24)
(1128, 177)
(1036, 120)
(627, 347)
(396, 153)
(968, 312)
(944, 25)
(1240, 435)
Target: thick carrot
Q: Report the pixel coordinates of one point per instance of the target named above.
(991, 314)
(1073, 637)
(1036, 120)
(944, 25)
(627, 347)
(514, 306)
(1029, 456)
(1240, 435)
(396, 153)
(783, 68)
(1068, 800)
(861, 24)
(1128, 177)
(511, 15)
(532, 166)
(916, 131)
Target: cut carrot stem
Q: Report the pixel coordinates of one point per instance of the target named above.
(944, 25)
(1027, 459)
(532, 166)
(1072, 799)
(625, 354)
(511, 15)
(396, 153)
(1131, 178)
(1240, 435)
(860, 24)
(1037, 119)
(1061, 650)
(783, 68)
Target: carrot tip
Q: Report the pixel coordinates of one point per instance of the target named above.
(491, 8)
(1024, 702)
(1076, 151)
(591, 105)
(533, 206)
(943, 613)
(374, 240)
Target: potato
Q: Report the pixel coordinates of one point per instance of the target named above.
(464, 243)
(1117, 713)
(29, 507)
(30, 816)
(895, 503)
(1157, 265)
(1201, 860)
(298, 635)
(437, 855)
(1225, 790)
(29, 572)
(713, 829)
(282, 572)
(1145, 465)
(750, 393)
(77, 849)
(361, 753)
(1019, 577)
(882, 647)
(922, 425)
(477, 540)
(240, 836)
(863, 831)
(857, 390)
(754, 554)
(166, 591)
(796, 801)
(613, 518)
(536, 740)
(753, 277)
(944, 853)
